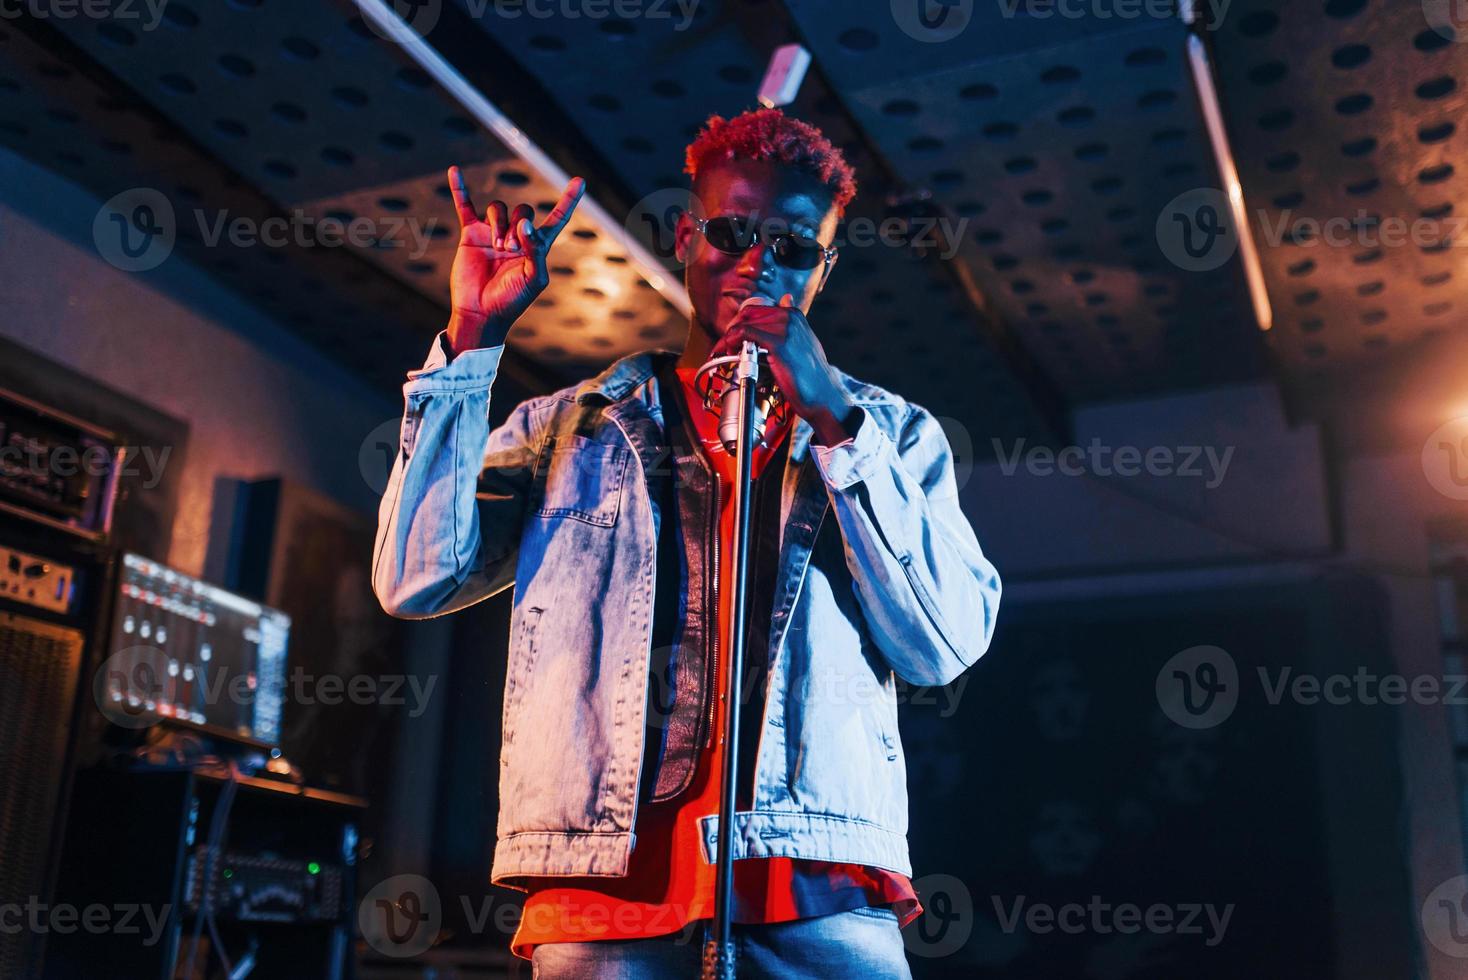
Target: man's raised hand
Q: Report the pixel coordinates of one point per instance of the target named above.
(500, 265)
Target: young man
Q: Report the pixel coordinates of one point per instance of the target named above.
(607, 505)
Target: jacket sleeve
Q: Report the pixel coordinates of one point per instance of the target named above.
(449, 524)
(929, 595)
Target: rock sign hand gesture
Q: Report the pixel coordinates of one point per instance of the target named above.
(500, 265)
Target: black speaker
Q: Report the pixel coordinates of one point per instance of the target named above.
(51, 602)
(41, 663)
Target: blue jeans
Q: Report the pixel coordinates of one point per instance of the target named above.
(860, 943)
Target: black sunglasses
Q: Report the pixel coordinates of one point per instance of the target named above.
(735, 236)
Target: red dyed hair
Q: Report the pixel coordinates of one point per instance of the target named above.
(769, 134)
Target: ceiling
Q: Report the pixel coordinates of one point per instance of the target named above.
(1049, 145)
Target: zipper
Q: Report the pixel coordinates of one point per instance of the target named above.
(714, 535)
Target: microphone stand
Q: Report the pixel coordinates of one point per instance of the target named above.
(718, 954)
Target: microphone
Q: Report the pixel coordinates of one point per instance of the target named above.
(722, 377)
(764, 398)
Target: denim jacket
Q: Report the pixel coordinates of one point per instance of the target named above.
(879, 576)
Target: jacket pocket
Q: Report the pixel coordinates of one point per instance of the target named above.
(582, 480)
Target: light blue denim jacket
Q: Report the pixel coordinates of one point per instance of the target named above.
(879, 574)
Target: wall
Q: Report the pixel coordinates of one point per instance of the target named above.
(259, 401)
(1056, 537)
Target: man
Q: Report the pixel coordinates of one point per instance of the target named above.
(607, 505)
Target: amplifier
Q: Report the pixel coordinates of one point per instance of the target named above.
(35, 581)
(56, 469)
(265, 888)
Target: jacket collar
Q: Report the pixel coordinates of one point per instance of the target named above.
(623, 376)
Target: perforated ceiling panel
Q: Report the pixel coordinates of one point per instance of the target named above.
(59, 110)
(1060, 160)
(1051, 145)
(326, 117)
(1345, 116)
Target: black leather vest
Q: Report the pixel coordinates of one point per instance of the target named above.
(681, 695)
